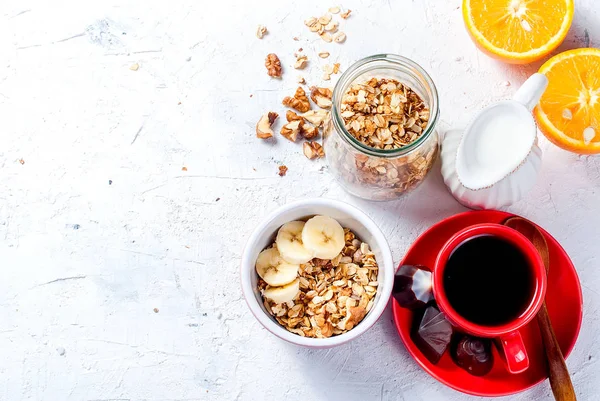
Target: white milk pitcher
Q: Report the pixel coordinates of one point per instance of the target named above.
(495, 160)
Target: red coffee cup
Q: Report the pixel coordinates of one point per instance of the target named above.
(507, 335)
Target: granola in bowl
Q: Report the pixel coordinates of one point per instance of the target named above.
(334, 294)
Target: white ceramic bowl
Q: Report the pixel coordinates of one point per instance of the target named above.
(348, 216)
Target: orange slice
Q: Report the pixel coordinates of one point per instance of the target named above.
(518, 31)
(569, 111)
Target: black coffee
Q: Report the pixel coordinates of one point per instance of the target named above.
(487, 281)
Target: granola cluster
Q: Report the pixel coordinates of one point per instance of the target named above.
(384, 113)
(335, 295)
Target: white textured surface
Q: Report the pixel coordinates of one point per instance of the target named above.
(76, 304)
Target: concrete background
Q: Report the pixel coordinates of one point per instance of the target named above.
(99, 225)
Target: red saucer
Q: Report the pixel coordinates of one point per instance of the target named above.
(563, 299)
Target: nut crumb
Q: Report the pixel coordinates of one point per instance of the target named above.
(263, 127)
(312, 150)
(296, 38)
(134, 67)
(299, 101)
(184, 168)
(321, 96)
(346, 14)
(155, 310)
(282, 170)
(336, 68)
(273, 65)
(300, 62)
(261, 31)
(21, 161)
(301, 79)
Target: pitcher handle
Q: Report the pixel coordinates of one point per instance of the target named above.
(531, 91)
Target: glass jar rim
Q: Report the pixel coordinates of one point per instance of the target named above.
(351, 73)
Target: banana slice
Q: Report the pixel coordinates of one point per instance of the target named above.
(323, 236)
(283, 294)
(272, 268)
(289, 243)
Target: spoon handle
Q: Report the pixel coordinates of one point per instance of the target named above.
(560, 381)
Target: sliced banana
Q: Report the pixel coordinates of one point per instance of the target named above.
(272, 268)
(289, 243)
(283, 294)
(323, 236)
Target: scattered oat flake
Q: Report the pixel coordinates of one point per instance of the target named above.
(325, 19)
(184, 168)
(345, 14)
(134, 67)
(332, 26)
(282, 170)
(323, 54)
(588, 134)
(567, 115)
(261, 31)
(334, 10)
(21, 161)
(339, 37)
(326, 36)
(310, 22)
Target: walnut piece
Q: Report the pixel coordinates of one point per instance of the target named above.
(300, 62)
(282, 170)
(315, 117)
(292, 129)
(261, 31)
(321, 96)
(335, 295)
(291, 116)
(263, 127)
(273, 65)
(299, 101)
(312, 150)
(309, 132)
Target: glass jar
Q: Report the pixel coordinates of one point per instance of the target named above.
(381, 174)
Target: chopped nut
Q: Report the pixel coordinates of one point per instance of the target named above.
(309, 132)
(134, 67)
(312, 150)
(273, 65)
(282, 170)
(334, 10)
(291, 116)
(261, 31)
(315, 117)
(345, 14)
(301, 79)
(324, 20)
(326, 36)
(339, 37)
(291, 130)
(300, 62)
(263, 127)
(321, 96)
(299, 101)
(323, 54)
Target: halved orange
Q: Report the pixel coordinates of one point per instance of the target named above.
(569, 111)
(518, 31)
